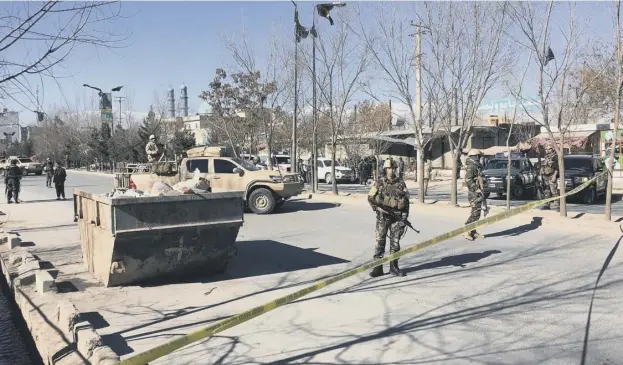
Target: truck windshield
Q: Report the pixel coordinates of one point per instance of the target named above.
(246, 164)
(577, 163)
(25, 160)
(502, 164)
(282, 160)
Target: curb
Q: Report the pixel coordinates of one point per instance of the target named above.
(97, 173)
(62, 337)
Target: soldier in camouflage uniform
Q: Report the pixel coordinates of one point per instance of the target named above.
(549, 172)
(474, 182)
(389, 198)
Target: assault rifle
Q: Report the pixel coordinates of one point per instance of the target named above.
(406, 221)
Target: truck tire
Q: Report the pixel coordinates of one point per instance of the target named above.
(517, 191)
(262, 201)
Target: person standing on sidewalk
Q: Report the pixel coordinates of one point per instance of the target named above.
(60, 175)
(49, 172)
(12, 180)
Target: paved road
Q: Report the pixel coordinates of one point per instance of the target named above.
(442, 193)
(520, 296)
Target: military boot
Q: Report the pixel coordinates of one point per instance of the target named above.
(377, 271)
(468, 236)
(476, 235)
(395, 270)
(16, 199)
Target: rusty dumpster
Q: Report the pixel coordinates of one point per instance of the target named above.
(130, 240)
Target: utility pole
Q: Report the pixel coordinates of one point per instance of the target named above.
(293, 159)
(119, 99)
(315, 114)
(418, 75)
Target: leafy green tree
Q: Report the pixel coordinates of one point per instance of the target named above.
(182, 141)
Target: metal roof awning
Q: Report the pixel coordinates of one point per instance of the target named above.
(572, 139)
(492, 151)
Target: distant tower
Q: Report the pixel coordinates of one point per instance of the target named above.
(171, 101)
(184, 97)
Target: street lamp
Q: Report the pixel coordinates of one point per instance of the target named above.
(104, 102)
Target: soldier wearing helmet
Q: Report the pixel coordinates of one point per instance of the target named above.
(549, 172)
(389, 198)
(474, 180)
(152, 149)
(12, 182)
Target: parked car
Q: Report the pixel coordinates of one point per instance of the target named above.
(581, 168)
(522, 180)
(341, 173)
(27, 165)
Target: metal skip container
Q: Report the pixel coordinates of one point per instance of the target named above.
(129, 240)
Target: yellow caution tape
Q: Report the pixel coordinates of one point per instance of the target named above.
(169, 347)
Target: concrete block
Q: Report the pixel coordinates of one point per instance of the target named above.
(44, 282)
(66, 316)
(103, 355)
(87, 340)
(26, 273)
(9, 241)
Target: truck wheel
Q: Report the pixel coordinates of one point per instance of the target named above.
(590, 197)
(262, 201)
(517, 191)
(327, 178)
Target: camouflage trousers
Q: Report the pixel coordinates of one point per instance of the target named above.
(475, 203)
(549, 191)
(395, 228)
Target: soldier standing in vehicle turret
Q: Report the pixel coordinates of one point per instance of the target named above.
(389, 198)
(474, 182)
(549, 173)
(152, 149)
(12, 182)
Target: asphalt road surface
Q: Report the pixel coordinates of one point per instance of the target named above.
(521, 295)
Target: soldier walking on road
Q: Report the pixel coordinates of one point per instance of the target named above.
(59, 181)
(49, 172)
(474, 179)
(549, 172)
(12, 182)
(389, 198)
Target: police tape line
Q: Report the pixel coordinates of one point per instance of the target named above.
(167, 348)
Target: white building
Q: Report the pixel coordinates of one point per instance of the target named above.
(9, 126)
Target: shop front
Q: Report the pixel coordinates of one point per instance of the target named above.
(609, 144)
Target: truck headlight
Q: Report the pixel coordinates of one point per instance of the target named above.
(276, 179)
(287, 179)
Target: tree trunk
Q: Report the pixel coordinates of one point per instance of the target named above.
(508, 177)
(617, 117)
(333, 180)
(420, 172)
(453, 182)
(561, 183)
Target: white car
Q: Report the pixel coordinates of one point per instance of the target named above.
(341, 173)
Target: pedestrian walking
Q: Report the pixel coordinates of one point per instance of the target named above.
(389, 198)
(12, 180)
(474, 179)
(60, 175)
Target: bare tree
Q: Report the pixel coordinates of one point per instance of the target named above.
(617, 107)
(393, 53)
(559, 108)
(342, 63)
(464, 64)
(31, 45)
(270, 93)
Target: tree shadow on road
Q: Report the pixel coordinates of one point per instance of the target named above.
(516, 231)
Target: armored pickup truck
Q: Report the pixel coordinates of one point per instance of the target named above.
(264, 190)
(522, 179)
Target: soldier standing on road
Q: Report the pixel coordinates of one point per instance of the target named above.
(152, 149)
(389, 198)
(549, 173)
(59, 181)
(475, 185)
(49, 172)
(12, 182)
(401, 168)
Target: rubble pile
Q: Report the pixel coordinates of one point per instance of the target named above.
(196, 185)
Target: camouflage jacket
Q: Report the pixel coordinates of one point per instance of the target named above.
(472, 172)
(389, 194)
(549, 166)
